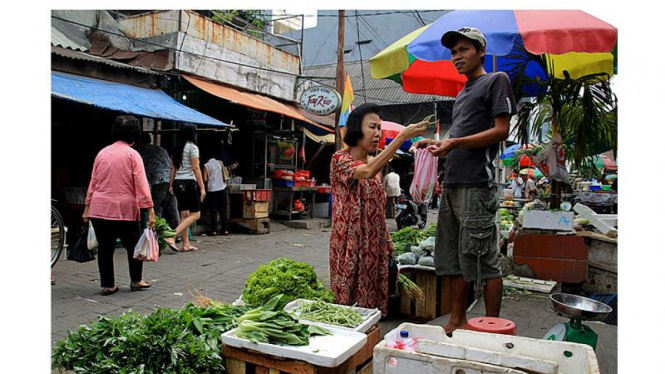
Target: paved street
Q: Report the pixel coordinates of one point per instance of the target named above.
(219, 269)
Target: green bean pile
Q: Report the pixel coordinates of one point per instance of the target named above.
(320, 311)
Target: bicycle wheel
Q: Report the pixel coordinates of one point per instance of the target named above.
(58, 231)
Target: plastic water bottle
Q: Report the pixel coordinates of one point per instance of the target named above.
(406, 343)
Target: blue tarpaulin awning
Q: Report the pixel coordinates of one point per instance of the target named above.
(125, 98)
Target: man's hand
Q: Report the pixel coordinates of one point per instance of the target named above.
(391, 249)
(424, 143)
(203, 194)
(442, 149)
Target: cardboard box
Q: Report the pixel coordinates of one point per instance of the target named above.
(255, 209)
(547, 220)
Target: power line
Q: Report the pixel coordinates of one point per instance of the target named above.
(419, 17)
(190, 53)
(368, 14)
(374, 32)
(360, 50)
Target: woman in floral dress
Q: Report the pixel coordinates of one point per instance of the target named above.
(360, 244)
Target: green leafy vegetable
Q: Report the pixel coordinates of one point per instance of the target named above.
(409, 236)
(163, 231)
(185, 341)
(270, 324)
(295, 280)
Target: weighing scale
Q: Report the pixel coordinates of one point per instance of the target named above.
(579, 309)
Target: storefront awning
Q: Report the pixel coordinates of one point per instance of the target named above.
(125, 98)
(248, 99)
(328, 138)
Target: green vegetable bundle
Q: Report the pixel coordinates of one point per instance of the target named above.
(163, 231)
(320, 311)
(411, 289)
(271, 324)
(185, 341)
(295, 280)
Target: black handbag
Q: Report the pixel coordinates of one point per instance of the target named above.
(393, 273)
(79, 252)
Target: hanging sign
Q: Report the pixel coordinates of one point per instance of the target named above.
(320, 100)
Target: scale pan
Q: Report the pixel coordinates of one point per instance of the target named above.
(578, 307)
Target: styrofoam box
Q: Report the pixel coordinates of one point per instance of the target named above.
(370, 316)
(478, 352)
(323, 350)
(546, 220)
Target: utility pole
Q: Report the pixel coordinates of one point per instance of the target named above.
(340, 73)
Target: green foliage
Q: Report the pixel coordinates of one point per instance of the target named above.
(296, 280)
(254, 17)
(185, 341)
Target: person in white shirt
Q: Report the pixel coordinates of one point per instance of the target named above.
(516, 185)
(391, 186)
(214, 176)
(530, 189)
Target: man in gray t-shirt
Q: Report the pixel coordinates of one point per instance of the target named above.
(466, 240)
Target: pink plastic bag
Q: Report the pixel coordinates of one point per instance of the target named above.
(424, 176)
(147, 248)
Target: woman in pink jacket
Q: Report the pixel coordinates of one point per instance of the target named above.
(118, 190)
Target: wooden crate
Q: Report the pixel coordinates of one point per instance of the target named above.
(255, 209)
(437, 296)
(257, 226)
(244, 361)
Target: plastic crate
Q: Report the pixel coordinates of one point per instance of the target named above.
(282, 183)
(256, 195)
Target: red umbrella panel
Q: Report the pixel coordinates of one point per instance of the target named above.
(389, 131)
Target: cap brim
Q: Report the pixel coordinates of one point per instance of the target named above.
(449, 38)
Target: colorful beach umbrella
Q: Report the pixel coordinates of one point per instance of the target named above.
(571, 40)
(390, 130)
(510, 158)
(533, 173)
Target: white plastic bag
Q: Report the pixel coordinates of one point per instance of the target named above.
(553, 159)
(424, 176)
(147, 248)
(92, 238)
(428, 244)
(408, 258)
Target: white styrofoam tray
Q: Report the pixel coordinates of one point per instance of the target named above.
(370, 316)
(323, 350)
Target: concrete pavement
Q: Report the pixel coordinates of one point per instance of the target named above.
(219, 269)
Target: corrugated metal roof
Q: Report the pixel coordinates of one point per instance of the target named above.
(380, 91)
(68, 35)
(92, 58)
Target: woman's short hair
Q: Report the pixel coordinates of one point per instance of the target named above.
(126, 128)
(354, 125)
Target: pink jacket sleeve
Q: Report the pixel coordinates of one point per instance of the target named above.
(141, 187)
